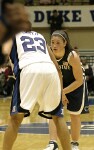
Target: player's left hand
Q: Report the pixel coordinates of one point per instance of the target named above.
(64, 99)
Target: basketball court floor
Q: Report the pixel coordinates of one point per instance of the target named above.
(33, 133)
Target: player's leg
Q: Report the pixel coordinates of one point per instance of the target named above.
(15, 118)
(52, 100)
(75, 107)
(63, 132)
(22, 102)
(11, 131)
(53, 136)
(75, 127)
(75, 130)
(58, 126)
(52, 130)
(75, 118)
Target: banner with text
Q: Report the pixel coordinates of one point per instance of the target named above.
(73, 16)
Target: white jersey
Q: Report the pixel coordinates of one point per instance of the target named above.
(31, 48)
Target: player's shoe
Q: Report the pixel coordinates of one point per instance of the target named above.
(75, 145)
(52, 146)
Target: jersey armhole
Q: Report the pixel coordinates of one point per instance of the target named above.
(71, 53)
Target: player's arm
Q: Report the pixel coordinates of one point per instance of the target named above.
(74, 61)
(64, 98)
(7, 46)
(5, 49)
(3, 31)
(53, 59)
(56, 64)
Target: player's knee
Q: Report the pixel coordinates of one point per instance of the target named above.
(55, 118)
(17, 119)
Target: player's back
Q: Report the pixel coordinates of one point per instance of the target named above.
(31, 48)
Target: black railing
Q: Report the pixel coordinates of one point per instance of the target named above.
(89, 55)
(61, 2)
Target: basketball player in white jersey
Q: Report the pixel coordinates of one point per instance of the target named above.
(37, 75)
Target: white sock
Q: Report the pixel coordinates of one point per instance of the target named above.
(53, 141)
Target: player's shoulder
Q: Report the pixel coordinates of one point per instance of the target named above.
(73, 53)
(30, 33)
(72, 56)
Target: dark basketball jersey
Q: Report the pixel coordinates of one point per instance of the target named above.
(67, 71)
(79, 97)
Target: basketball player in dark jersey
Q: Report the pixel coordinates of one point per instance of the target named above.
(74, 85)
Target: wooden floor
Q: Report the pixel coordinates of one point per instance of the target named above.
(33, 133)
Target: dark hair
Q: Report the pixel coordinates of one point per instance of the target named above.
(64, 35)
(54, 11)
(3, 4)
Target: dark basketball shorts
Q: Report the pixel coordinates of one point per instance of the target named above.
(78, 100)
